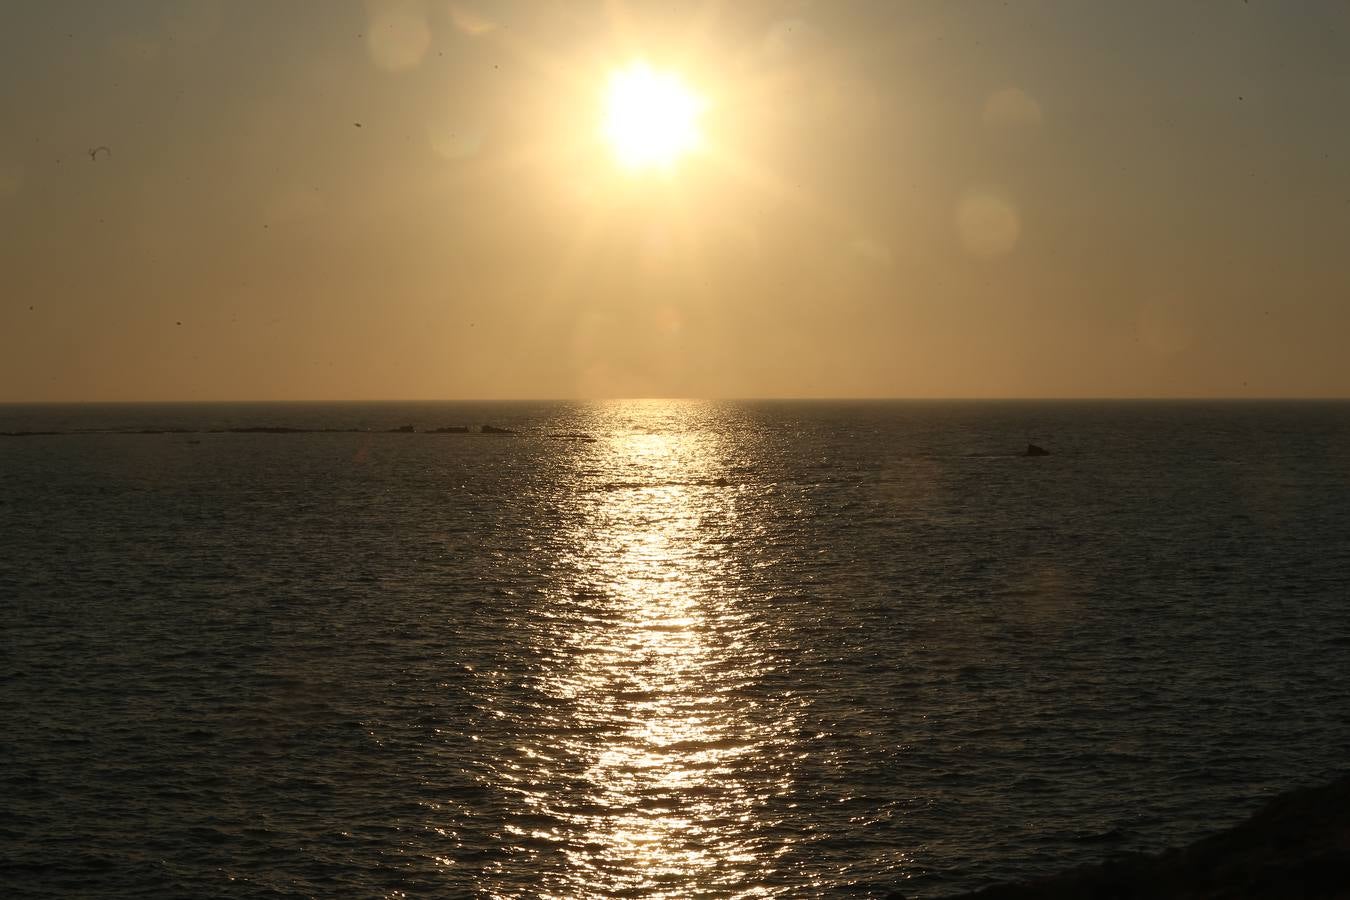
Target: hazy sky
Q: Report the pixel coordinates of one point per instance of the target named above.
(893, 198)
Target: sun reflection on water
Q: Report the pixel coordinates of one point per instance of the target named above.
(657, 750)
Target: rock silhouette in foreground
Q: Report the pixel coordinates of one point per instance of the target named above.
(1033, 450)
(1298, 846)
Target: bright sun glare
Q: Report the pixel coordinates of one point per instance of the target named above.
(651, 118)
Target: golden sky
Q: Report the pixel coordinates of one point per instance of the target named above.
(398, 199)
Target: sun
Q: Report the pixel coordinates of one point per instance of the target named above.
(651, 117)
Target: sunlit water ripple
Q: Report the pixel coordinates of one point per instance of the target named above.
(658, 649)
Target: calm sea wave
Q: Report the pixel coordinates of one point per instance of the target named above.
(657, 649)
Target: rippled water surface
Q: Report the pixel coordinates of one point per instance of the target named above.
(657, 649)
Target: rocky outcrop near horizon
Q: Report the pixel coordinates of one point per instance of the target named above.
(1296, 846)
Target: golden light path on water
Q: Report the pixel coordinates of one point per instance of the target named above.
(654, 748)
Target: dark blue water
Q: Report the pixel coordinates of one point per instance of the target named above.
(657, 649)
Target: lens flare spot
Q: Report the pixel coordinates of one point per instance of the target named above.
(988, 224)
(398, 35)
(469, 21)
(1011, 108)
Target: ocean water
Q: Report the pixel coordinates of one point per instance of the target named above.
(657, 649)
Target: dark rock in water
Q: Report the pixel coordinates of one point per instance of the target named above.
(1111, 836)
(450, 429)
(1033, 450)
(402, 429)
(493, 429)
(1297, 846)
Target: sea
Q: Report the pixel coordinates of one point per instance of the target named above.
(665, 649)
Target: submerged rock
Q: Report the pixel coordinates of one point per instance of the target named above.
(1033, 450)
(450, 429)
(1297, 846)
(493, 429)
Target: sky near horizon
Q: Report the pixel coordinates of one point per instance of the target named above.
(397, 199)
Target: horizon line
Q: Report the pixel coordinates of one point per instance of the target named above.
(1188, 398)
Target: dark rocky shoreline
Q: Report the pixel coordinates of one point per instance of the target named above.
(1297, 846)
